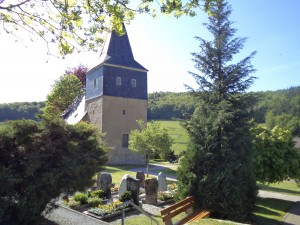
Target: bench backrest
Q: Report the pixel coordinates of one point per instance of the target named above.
(178, 207)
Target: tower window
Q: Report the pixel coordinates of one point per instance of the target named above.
(125, 139)
(95, 82)
(118, 81)
(124, 111)
(133, 83)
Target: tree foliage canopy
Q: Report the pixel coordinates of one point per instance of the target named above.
(217, 167)
(80, 72)
(151, 139)
(63, 93)
(41, 160)
(275, 156)
(79, 24)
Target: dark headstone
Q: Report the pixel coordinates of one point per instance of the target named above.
(141, 176)
(104, 181)
(151, 189)
(133, 185)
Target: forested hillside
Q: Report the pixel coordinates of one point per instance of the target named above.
(280, 108)
(169, 105)
(273, 108)
(20, 110)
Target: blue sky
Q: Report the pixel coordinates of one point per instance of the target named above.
(164, 46)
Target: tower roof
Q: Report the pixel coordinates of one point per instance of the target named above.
(117, 51)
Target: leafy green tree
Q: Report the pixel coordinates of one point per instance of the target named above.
(217, 168)
(64, 92)
(152, 139)
(41, 160)
(79, 24)
(275, 156)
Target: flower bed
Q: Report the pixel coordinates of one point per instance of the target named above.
(91, 204)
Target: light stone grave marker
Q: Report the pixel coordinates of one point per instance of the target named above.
(162, 182)
(123, 184)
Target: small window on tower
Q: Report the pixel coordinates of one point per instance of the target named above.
(125, 139)
(95, 82)
(118, 81)
(133, 83)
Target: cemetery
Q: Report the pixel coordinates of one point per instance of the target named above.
(108, 201)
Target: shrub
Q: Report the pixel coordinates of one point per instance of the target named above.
(125, 196)
(81, 197)
(94, 201)
(39, 161)
(165, 195)
(97, 211)
(97, 193)
(73, 204)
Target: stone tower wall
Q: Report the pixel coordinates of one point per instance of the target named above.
(116, 116)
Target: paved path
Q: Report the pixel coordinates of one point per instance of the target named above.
(64, 216)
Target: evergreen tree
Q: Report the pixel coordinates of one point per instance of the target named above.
(217, 167)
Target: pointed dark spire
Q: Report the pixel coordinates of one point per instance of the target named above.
(117, 51)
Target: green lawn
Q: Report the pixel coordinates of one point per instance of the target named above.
(286, 187)
(178, 133)
(270, 211)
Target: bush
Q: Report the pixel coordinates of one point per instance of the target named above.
(165, 195)
(81, 197)
(94, 201)
(73, 204)
(39, 161)
(126, 196)
(97, 193)
(97, 211)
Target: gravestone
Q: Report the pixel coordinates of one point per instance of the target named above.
(141, 176)
(123, 184)
(151, 189)
(162, 182)
(133, 185)
(104, 181)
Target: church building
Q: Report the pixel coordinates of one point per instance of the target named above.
(116, 97)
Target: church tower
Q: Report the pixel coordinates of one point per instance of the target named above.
(116, 97)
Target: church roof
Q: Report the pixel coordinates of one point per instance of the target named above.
(76, 111)
(117, 51)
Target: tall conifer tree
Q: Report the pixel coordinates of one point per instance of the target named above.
(217, 168)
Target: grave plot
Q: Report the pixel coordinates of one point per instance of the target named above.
(105, 200)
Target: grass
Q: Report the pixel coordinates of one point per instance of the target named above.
(270, 211)
(118, 171)
(285, 187)
(178, 133)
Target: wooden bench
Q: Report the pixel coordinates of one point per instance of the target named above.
(185, 205)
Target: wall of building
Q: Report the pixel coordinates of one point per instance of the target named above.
(116, 116)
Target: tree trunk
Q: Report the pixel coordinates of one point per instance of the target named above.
(147, 158)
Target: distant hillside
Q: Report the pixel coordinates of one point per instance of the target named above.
(272, 108)
(20, 110)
